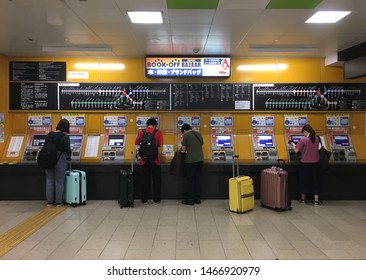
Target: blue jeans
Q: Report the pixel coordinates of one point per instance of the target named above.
(55, 180)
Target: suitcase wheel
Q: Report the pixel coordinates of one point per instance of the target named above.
(84, 203)
(74, 204)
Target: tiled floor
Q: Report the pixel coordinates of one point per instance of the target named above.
(170, 230)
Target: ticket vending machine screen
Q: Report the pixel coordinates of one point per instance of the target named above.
(76, 140)
(341, 140)
(265, 141)
(115, 140)
(38, 140)
(296, 138)
(223, 140)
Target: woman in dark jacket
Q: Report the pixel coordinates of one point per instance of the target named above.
(55, 177)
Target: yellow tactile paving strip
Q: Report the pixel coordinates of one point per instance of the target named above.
(20, 232)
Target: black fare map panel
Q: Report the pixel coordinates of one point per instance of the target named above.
(32, 96)
(328, 97)
(113, 96)
(212, 96)
(37, 71)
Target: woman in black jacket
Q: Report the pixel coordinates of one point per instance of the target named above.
(55, 177)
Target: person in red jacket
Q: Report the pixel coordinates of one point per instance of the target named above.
(150, 170)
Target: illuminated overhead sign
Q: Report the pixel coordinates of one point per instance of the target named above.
(161, 67)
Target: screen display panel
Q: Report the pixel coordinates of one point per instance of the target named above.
(38, 140)
(76, 140)
(265, 140)
(160, 67)
(296, 138)
(341, 140)
(116, 140)
(223, 140)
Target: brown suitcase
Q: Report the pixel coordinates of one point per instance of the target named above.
(274, 189)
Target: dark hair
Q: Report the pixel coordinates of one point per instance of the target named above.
(63, 125)
(310, 130)
(152, 122)
(184, 127)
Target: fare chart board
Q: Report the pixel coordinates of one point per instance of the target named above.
(37, 71)
(33, 96)
(211, 96)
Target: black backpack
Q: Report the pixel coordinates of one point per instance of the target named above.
(148, 149)
(47, 157)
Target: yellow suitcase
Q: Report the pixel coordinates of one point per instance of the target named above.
(241, 191)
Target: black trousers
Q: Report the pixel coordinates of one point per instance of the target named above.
(150, 172)
(194, 172)
(309, 178)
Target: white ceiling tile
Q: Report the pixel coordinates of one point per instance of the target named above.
(235, 25)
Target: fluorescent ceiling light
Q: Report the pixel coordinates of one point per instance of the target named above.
(145, 17)
(77, 49)
(327, 16)
(262, 67)
(101, 66)
(283, 49)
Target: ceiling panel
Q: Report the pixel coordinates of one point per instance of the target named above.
(28, 25)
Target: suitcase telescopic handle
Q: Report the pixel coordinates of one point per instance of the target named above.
(132, 159)
(236, 163)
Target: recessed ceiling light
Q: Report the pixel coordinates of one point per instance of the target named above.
(327, 16)
(145, 17)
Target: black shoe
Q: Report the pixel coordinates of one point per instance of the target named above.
(197, 201)
(188, 202)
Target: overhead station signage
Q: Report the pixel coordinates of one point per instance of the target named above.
(161, 67)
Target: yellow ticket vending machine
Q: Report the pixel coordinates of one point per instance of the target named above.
(221, 134)
(339, 139)
(114, 138)
(263, 139)
(39, 125)
(77, 131)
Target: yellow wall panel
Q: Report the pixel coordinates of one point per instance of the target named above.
(357, 123)
(243, 147)
(19, 123)
(281, 147)
(278, 123)
(317, 121)
(253, 76)
(94, 123)
(242, 123)
(306, 70)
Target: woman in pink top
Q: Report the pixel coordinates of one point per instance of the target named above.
(309, 163)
